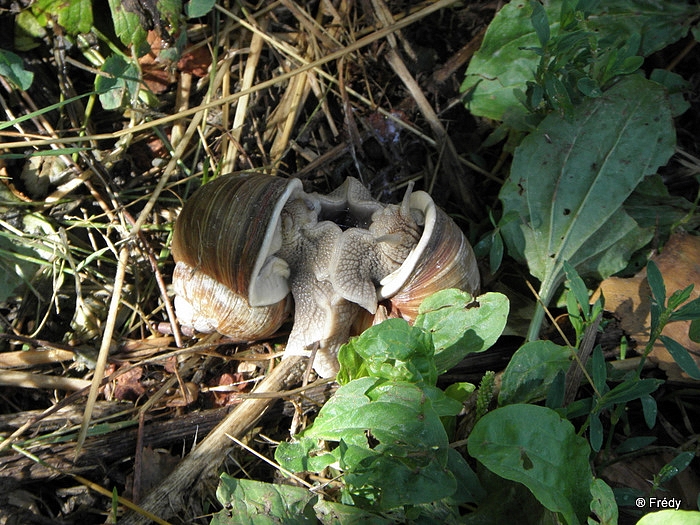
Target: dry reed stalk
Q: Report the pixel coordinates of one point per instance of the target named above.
(171, 496)
(22, 379)
(229, 160)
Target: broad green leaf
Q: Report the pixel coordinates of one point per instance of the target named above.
(506, 499)
(12, 68)
(331, 513)
(505, 62)
(129, 27)
(76, 16)
(671, 517)
(303, 455)
(658, 24)
(681, 356)
(392, 448)
(570, 177)
(501, 65)
(652, 206)
(122, 82)
(470, 489)
(197, 8)
(531, 371)
(392, 350)
(532, 445)
(603, 503)
(461, 325)
(676, 86)
(248, 501)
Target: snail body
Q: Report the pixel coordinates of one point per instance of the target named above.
(248, 246)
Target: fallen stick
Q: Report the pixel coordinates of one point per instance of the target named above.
(203, 463)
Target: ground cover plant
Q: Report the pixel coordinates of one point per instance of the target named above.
(560, 135)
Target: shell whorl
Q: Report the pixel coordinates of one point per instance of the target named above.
(443, 258)
(230, 222)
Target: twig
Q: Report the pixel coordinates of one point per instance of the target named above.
(110, 324)
(169, 498)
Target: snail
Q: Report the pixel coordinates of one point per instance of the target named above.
(250, 248)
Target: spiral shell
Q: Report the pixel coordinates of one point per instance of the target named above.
(443, 258)
(227, 277)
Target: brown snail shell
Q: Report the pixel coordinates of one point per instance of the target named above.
(443, 258)
(227, 277)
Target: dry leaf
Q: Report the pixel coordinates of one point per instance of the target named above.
(629, 299)
(196, 62)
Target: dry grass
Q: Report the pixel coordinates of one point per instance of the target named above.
(99, 386)
(92, 357)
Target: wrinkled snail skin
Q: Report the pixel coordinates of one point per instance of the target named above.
(244, 243)
(322, 318)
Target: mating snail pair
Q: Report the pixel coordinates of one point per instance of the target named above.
(243, 244)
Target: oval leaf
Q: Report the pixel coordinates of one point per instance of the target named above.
(532, 445)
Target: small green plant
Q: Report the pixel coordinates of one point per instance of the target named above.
(383, 434)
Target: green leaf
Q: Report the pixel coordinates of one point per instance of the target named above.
(570, 178)
(649, 409)
(694, 331)
(687, 312)
(12, 69)
(577, 287)
(596, 432)
(634, 443)
(122, 82)
(504, 65)
(197, 8)
(76, 16)
(557, 391)
(532, 445)
(496, 252)
(248, 501)
(627, 391)
(656, 283)
(392, 446)
(128, 27)
(393, 350)
(652, 206)
(501, 65)
(658, 24)
(331, 513)
(671, 517)
(539, 21)
(681, 356)
(461, 325)
(674, 467)
(603, 504)
(531, 371)
(598, 369)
